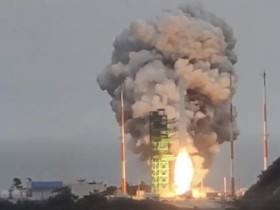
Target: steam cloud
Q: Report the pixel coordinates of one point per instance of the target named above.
(149, 58)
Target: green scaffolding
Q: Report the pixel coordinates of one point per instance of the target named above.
(161, 158)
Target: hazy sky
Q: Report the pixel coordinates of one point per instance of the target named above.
(55, 122)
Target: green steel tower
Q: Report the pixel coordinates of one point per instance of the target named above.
(162, 160)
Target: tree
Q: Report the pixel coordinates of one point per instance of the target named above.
(64, 200)
(110, 190)
(93, 201)
(17, 183)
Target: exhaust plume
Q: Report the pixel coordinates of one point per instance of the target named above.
(150, 57)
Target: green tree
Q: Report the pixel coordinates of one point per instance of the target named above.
(64, 200)
(110, 190)
(93, 201)
(17, 183)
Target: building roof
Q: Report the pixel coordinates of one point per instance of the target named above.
(46, 185)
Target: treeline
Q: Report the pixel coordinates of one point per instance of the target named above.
(268, 182)
(66, 201)
(265, 194)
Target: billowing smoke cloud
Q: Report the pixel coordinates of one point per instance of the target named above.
(150, 57)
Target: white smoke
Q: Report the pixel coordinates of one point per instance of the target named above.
(149, 58)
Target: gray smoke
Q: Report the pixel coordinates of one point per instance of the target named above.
(149, 57)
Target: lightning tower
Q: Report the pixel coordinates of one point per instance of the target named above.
(265, 148)
(123, 159)
(232, 180)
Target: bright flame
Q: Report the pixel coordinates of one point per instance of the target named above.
(198, 193)
(183, 172)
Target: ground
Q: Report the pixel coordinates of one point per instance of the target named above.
(199, 204)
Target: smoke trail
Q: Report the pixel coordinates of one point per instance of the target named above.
(149, 57)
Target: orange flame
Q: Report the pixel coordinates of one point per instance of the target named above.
(183, 172)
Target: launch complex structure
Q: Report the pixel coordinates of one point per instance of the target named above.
(162, 161)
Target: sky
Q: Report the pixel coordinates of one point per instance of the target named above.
(56, 123)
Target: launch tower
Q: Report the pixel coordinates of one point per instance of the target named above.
(162, 161)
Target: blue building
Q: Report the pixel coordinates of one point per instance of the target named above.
(42, 190)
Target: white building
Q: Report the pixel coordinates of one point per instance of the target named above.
(43, 190)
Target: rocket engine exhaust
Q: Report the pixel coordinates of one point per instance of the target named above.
(188, 44)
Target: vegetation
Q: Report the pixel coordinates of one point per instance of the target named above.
(64, 200)
(268, 183)
(17, 183)
(265, 194)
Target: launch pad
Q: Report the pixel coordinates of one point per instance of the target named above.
(162, 161)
